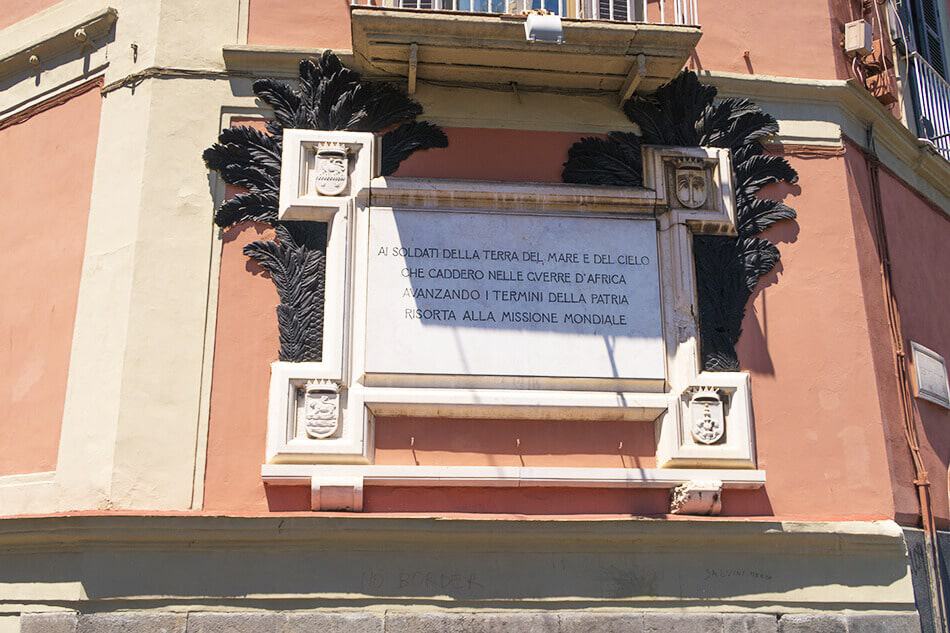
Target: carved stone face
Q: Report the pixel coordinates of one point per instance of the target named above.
(332, 171)
(691, 189)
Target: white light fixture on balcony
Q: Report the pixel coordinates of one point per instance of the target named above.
(543, 27)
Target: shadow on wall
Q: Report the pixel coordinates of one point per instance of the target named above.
(755, 356)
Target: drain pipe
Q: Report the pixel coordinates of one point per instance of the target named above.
(904, 390)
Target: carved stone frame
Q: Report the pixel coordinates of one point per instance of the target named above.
(321, 463)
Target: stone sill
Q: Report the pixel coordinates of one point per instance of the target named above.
(509, 476)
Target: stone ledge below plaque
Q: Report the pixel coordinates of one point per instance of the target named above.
(359, 477)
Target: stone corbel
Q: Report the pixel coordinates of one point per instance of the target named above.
(698, 498)
(336, 494)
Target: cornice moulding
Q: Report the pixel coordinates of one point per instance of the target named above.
(847, 96)
(55, 42)
(843, 95)
(528, 196)
(274, 60)
(227, 532)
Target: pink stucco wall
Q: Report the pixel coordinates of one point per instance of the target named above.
(12, 11)
(246, 344)
(792, 39)
(918, 234)
(290, 23)
(807, 344)
(796, 39)
(46, 167)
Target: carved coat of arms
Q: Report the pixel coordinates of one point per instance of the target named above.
(691, 186)
(708, 423)
(321, 410)
(332, 169)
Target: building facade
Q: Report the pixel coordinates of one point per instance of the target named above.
(475, 315)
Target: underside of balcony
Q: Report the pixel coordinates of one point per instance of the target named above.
(478, 49)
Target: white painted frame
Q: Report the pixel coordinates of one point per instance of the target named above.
(352, 444)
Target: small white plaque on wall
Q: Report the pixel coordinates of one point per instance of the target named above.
(931, 375)
(500, 294)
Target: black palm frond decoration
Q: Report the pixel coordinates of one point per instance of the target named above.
(328, 96)
(409, 137)
(760, 214)
(685, 112)
(615, 160)
(247, 207)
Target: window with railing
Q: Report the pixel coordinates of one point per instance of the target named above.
(678, 11)
(931, 94)
(927, 70)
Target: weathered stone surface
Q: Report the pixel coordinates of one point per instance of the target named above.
(461, 622)
(238, 622)
(681, 623)
(328, 622)
(58, 622)
(813, 623)
(905, 623)
(132, 622)
(516, 622)
(601, 622)
(749, 623)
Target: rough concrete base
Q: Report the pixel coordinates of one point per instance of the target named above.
(458, 622)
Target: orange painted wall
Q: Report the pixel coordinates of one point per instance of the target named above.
(523, 156)
(807, 345)
(808, 341)
(46, 169)
(295, 24)
(12, 11)
(902, 473)
(429, 442)
(246, 343)
(918, 235)
(796, 39)
(793, 39)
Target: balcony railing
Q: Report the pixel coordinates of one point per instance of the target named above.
(931, 94)
(680, 11)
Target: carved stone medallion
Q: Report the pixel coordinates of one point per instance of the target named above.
(691, 185)
(706, 415)
(321, 410)
(332, 169)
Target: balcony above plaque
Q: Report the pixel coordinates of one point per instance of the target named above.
(491, 49)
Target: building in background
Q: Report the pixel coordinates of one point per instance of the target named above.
(474, 315)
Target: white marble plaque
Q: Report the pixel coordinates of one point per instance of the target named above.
(513, 295)
(931, 375)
